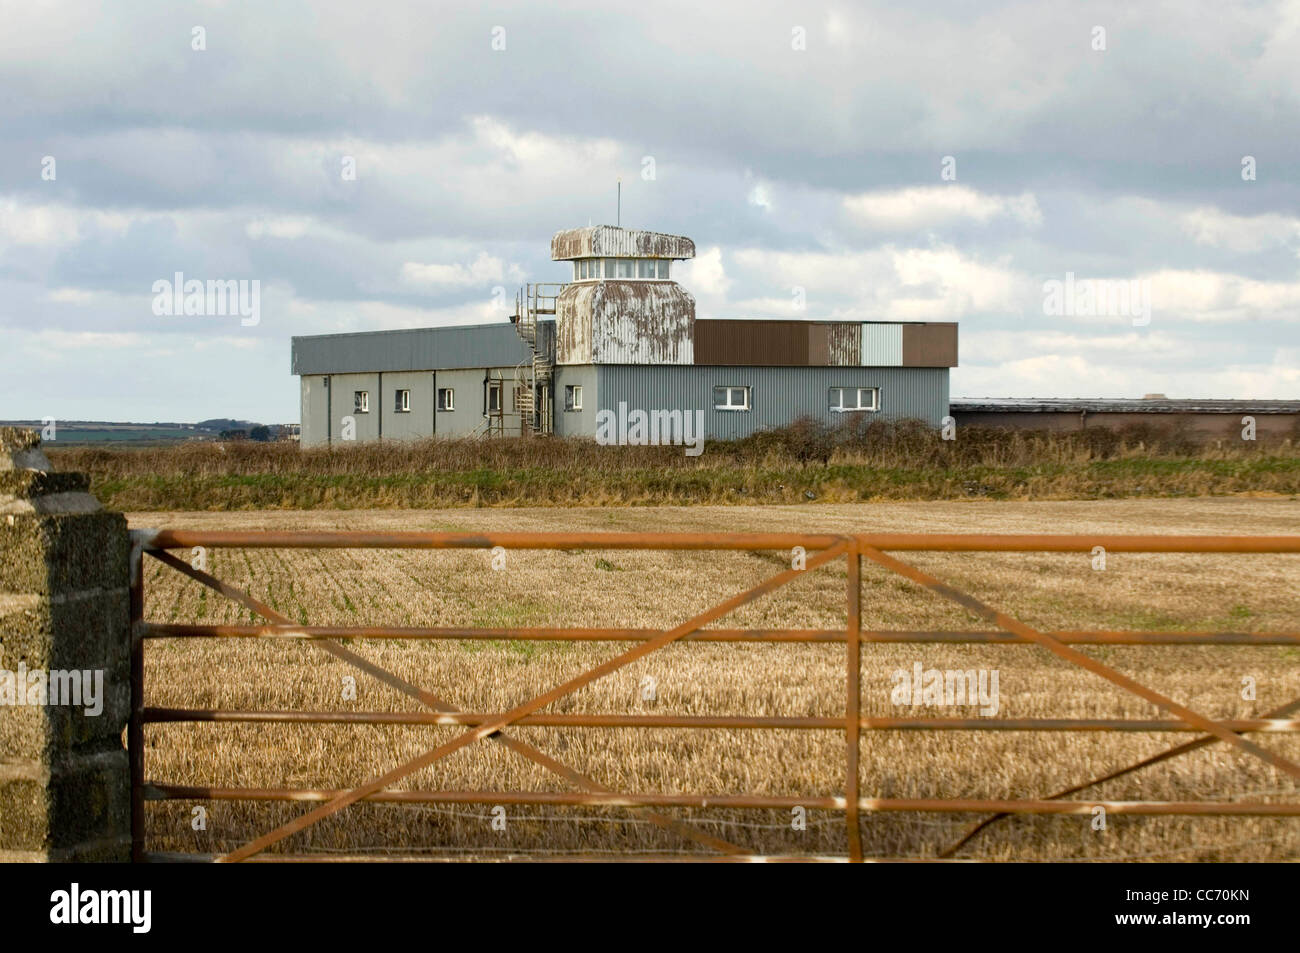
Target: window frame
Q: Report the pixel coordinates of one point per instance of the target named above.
(450, 404)
(572, 398)
(361, 401)
(858, 408)
(728, 407)
(495, 387)
(402, 400)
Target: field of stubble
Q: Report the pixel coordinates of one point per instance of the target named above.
(646, 589)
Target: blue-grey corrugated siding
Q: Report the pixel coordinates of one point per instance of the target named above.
(779, 396)
(416, 349)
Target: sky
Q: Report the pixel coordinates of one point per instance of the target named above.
(401, 165)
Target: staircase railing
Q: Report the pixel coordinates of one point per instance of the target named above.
(532, 375)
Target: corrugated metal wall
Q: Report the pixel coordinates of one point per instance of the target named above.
(625, 322)
(779, 394)
(423, 420)
(751, 342)
(844, 345)
(930, 345)
(882, 345)
(575, 423)
(416, 349)
(596, 241)
(803, 343)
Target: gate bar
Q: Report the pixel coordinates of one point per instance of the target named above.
(918, 542)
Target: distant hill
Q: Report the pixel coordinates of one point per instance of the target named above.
(130, 434)
(217, 424)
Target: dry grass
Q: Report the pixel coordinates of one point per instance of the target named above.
(655, 589)
(880, 461)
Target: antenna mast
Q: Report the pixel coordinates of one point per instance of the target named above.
(618, 220)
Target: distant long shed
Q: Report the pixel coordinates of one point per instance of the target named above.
(1207, 419)
(621, 336)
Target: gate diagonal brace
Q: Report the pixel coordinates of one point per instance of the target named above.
(1280, 712)
(576, 778)
(1016, 627)
(541, 701)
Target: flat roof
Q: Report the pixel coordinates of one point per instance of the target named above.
(1091, 405)
(409, 349)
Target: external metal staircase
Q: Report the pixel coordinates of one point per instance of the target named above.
(533, 376)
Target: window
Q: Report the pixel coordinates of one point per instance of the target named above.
(573, 397)
(494, 397)
(731, 398)
(361, 402)
(647, 269)
(446, 398)
(402, 401)
(855, 398)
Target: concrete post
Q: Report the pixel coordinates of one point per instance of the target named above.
(65, 647)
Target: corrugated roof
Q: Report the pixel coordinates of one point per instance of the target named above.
(595, 241)
(412, 349)
(1075, 405)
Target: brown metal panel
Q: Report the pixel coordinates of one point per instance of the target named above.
(930, 345)
(748, 342)
(819, 344)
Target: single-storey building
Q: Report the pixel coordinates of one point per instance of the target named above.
(620, 337)
(1203, 419)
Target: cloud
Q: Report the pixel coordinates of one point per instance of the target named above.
(1240, 233)
(922, 207)
(704, 275)
(815, 169)
(1204, 296)
(278, 227)
(482, 270)
(886, 283)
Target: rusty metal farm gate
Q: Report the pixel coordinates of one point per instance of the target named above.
(820, 550)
